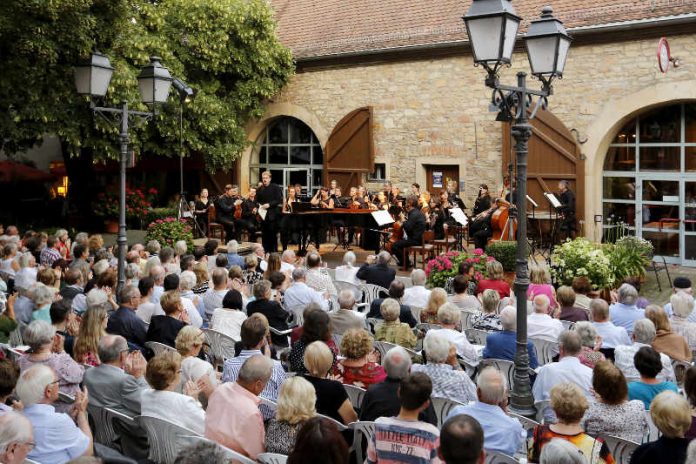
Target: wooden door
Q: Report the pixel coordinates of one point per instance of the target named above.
(350, 149)
(554, 155)
(438, 178)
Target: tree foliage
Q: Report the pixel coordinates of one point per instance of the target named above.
(227, 50)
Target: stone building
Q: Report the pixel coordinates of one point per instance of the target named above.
(387, 90)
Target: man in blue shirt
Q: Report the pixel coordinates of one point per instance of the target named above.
(502, 345)
(501, 432)
(625, 313)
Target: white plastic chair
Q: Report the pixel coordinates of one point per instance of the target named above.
(493, 457)
(544, 413)
(465, 320)
(679, 368)
(416, 312)
(361, 430)
(342, 285)
(221, 345)
(568, 325)
(476, 336)
(230, 454)
(158, 347)
(653, 432)
(165, 438)
(620, 449)
(442, 407)
(340, 426)
(383, 347)
(545, 350)
(103, 419)
(507, 368)
(272, 458)
(355, 395)
(372, 292)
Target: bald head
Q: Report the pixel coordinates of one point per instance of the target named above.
(254, 373)
(110, 349)
(541, 304)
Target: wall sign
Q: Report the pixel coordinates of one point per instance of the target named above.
(437, 179)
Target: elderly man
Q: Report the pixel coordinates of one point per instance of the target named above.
(168, 261)
(625, 313)
(187, 280)
(540, 324)
(502, 433)
(258, 250)
(233, 418)
(16, 438)
(449, 381)
(382, 399)
(612, 336)
(125, 322)
(288, 261)
(462, 441)
(503, 344)
(396, 292)
(417, 295)
(157, 273)
(567, 369)
(643, 335)
(212, 299)
(346, 318)
(118, 383)
(173, 282)
(448, 316)
(682, 308)
(57, 439)
(376, 270)
(233, 257)
(254, 335)
(680, 284)
(318, 278)
(299, 295)
(50, 254)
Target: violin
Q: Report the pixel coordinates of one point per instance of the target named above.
(396, 235)
(238, 211)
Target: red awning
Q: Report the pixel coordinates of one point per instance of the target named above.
(11, 171)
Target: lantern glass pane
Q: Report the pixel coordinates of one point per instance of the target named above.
(146, 89)
(542, 54)
(101, 77)
(162, 87)
(485, 37)
(511, 26)
(82, 79)
(563, 47)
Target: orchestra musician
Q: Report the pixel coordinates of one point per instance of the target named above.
(381, 202)
(480, 227)
(415, 189)
(249, 220)
(567, 209)
(436, 219)
(332, 187)
(413, 227)
(362, 194)
(322, 199)
(452, 195)
(224, 210)
(289, 225)
(270, 197)
(336, 197)
(200, 211)
(483, 201)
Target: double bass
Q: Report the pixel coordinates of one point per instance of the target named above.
(501, 222)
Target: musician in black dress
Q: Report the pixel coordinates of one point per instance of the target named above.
(481, 228)
(249, 221)
(200, 211)
(270, 197)
(453, 196)
(414, 227)
(483, 201)
(567, 209)
(224, 211)
(290, 225)
(436, 219)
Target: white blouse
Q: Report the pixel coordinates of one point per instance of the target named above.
(228, 321)
(174, 407)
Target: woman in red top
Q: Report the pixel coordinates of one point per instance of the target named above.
(359, 367)
(495, 280)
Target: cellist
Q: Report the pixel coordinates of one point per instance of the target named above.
(480, 227)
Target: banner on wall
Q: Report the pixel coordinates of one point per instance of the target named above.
(437, 179)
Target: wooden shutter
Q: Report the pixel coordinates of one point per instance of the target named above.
(554, 155)
(350, 149)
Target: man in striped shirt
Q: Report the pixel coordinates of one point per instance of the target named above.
(404, 439)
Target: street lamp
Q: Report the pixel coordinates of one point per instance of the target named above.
(92, 78)
(492, 27)
(186, 95)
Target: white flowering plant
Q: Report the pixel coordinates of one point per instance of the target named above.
(629, 256)
(580, 257)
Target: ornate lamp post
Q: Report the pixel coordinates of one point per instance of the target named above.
(92, 78)
(492, 28)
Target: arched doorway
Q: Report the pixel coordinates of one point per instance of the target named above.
(649, 180)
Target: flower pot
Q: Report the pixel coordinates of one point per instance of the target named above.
(111, 226)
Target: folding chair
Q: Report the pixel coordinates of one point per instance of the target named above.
(362, 430)
(507, 368)
(545, 350)
(568, 325)
(372, 292)
(493, 457)
(442, 407)
(103, 420)
(341, 285)
(476, 336)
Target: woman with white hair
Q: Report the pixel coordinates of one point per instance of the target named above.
(346, 272)
(63, 243)
(9, 264)
(489, 319)
(296, 404)
(625, 313)
(189, 343)
(682, 307)
(26, 276)
(45, 347)
(449, 316)
(42, 296)
(187, 282)
(393, 330)
(591, 344)
(560, 451)
(670, 414)
(16, 438)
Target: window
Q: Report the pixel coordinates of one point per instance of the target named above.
(380, 172)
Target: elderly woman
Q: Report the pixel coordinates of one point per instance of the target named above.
(296, 404)
(42, 297)
(612, 413)
(666, 341)
(648, 364)
(540, 284)
(670, 414)
(462, 298)
(45, 347)
(437, 298)
(591, 344)
(346, 272)
(332, 399)
(95, 243)
(163, 402)
(164, 329)
(230, 317)
(26, 276)
(495, 280)
(448, 317)
(92, 329)
(625, 313)
(189, 343)
(187, 281)
(489, 320)
(569, 404)
(682, 307)
(316, 327)
(582, 287)
(359, 368)
(568, 311)
(276, 315)
(251, 275)
(642, 336)
(392, 330)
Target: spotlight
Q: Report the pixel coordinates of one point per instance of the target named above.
(186, 93)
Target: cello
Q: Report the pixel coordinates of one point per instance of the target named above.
(501, 222)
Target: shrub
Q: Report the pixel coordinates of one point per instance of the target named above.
(629, 256)
(138, 203)
(168, 231)
(580, 257)
(504, 252)
(440, 269)
(159, 213)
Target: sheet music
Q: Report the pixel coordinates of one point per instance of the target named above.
(382, 217)
(459, 216)
(262, 212)
(552, 199)
(531, 200)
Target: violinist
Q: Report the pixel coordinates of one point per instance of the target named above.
(298, 193)
(200, 211)
(291, 198)
(436, 219)
(413, 227)
(424, 202)
(481, 228)
(333, 186)
(250, 208)
(381, 202)
(364, 196)
(322, 199)
(452, 195)
(224, 210)
(483, 201)
(336, 197)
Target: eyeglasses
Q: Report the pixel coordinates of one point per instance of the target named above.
(29, 444)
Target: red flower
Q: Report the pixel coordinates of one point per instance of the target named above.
(152, 191)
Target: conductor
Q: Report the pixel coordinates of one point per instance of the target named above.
(567, 209)
(270, 197)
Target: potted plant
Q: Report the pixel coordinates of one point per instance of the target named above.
(629, 256)
(106, 207)
(580, 257)
(445, 266)
(504, 252)
(170, 230)
(138, 205)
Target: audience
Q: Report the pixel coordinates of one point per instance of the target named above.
(448, 316)
(345, 317)
(489, 319)
(189, 343)
(540, 324)
(612, 335)
(566, 301)
(396, 292)
(296, 405)
(317, 277)
(462, 298)
(461, 441)
(299, 295)
(64, 320)
(666, 341)
(16, 438)
(417, 295)
(9, 373)
(212, 299)
(164, 329)
(643, 335)
(202, 451)
(347, 272)
(358, 366)
(146, 308)
(316, 327)
(591, 344)
(503, 344)
(271, 309)
(680, 284)
(670, 414)
(582, 287)
(494, 281)
(392, 330)
(228, 319)
(233, 418)
(501, 433)
(437, 298)
(319, 441)
(625, 313)
(648, 364)
(376, 270)
(560, 451)
(92, 329)
(540, 284)
(125, 322)
(689, 392)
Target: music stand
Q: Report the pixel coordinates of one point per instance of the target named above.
(460, 218)
(553, 212)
